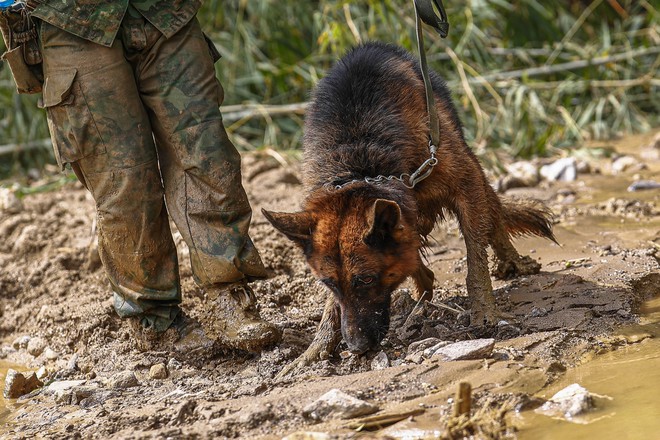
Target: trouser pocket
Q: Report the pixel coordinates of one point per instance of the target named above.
(72, 127)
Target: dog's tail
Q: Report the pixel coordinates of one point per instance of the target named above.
(527, 217)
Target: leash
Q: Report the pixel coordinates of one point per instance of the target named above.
(424, 12)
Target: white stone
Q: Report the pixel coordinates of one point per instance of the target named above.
(568, 403)
(337, 404)
(564, 169)
(380, 361)
(9, 202)
(464, 350)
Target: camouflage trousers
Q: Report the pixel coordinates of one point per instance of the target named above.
(140, 124)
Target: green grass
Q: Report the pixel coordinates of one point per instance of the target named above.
(511, 66)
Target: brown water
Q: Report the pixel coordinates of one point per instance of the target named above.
(7, 406)
(629, 376)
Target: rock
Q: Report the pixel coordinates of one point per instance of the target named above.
(97, 398)
(158, 371)
(50, 354)
(520, 174)
(564, 169)
(42, 373)
(14, 383)
(21, 342)
(173, 364)
(36, 346)
(641, 185)
(626, 163)
(337, 404)
(380, 361)
(464, 350)
(62, 388)
(417, 350)
(17, 384)
(124, 379)
(73, 362)
(9, 202)
(568, 403)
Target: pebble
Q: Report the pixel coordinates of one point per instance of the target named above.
(21, 342)
(173, 364)
(564, 169)
(641, 185)
(465, 350)
(9, 202)
(158, 371)
(626, 163)
(73, 362)
(42, 373)
(337, 404)
(124, 379)
(50, 354)
(36, 346)
(380, 361)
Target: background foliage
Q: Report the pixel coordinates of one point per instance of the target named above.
(528, 76)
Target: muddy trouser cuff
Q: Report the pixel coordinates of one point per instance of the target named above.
(154, 314)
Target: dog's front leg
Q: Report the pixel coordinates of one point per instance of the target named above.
(325, 341)
(479, 287)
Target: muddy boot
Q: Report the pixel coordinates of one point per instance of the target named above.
(232, 319)
(185, 337)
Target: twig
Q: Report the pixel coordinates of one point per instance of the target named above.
(382, 420)
(578, 64)
(232, 113)
(16, 148)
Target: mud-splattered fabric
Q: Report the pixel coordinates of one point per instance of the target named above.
(139, 122)
(99, 21)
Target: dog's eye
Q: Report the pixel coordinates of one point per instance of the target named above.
(365, 281)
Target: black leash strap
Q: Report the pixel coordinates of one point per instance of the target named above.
(424, 12)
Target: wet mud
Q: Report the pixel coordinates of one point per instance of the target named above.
(56, 312)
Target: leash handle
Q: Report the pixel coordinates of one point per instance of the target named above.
(428, 15)
(424, 12)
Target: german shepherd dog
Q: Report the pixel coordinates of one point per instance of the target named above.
(363, 238)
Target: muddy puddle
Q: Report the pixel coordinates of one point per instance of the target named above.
(628, 378)
(7, 406)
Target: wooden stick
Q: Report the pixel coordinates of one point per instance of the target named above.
(463, 399)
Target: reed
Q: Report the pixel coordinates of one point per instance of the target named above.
(528, 77)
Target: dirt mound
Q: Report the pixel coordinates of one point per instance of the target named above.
(53, 290)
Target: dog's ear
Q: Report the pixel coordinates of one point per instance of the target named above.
(384, 222)
(297, 226)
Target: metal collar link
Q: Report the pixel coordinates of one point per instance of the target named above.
(408, 180)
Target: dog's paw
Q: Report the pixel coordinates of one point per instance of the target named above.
(483, 314)
(316, 352)
(523, 265)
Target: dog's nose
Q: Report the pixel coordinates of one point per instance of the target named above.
(359, 344)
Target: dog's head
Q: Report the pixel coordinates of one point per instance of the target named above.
(361, 248)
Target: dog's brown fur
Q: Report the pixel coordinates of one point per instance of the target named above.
(361, 239)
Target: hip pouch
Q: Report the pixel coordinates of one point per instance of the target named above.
(23, 54)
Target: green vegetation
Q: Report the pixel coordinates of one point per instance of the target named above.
(528, 76)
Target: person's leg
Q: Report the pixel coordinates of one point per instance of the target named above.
(99, 126)
(200, 166)
(202, 178)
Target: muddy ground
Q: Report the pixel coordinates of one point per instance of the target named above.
(52, 293)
